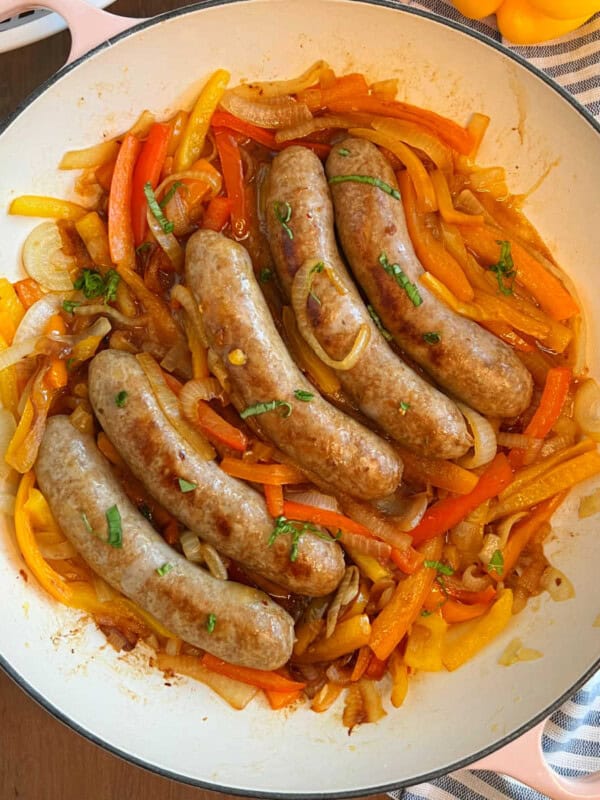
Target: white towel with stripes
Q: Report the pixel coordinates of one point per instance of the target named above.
(571, 740)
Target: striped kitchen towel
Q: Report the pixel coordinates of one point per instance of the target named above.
(571, 740)
(573, 60)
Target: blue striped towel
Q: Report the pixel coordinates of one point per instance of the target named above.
(571, 740)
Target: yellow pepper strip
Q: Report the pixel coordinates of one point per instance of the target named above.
(9, 390)
(94, 156)
(178, 124)
(39, 512)
(29, 205)
(418, 138)
(425, 643)
(469, 310)
(13, 456)
(306, 633)
(399, 672)
(527, 475)
(506, 311)
(192, 141)
(348, 636)
(94, 234)
(11, 311)
(325, 378)
(198, 351)
(393, 622)
(141, 127)
(370, 567)
(522, 23)
(477, 9)
(444, 201)
(556, 480)
(465, 639)
(426, 195)
(437, 472)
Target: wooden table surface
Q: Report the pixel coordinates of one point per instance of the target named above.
(41, 759)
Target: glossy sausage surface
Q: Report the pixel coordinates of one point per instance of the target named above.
(385, 389)
(249, 627)
(222, 510)
(334, 450)
(468, 361)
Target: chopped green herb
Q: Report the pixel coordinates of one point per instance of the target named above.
(186, 486)
(505, 268)
(265, 275)
(283, 212)
(315, 298)
(395, 270)
(301, 394)
(343, 151)
(442, 569)
(270, 405)
(318, 267)
(143, 247)
(211, 622)
(404, 407)
(91, 283)
(377, 182)
(496, 562)
(121, 398)
(69, 305)
(166, 567)
(374, 316)
(86, 522)
(115, 529)
(425, 613)
(170, 194)
(156, 209)
(431, 337)
(295, 529)
(112, 279)
(70, 363)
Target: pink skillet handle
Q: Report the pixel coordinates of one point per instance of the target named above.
(89, 26)
(523, 759)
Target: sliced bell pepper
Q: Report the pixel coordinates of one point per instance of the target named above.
(233, 174)
(264, 679)
(466, 639)
(217, 213)
(147, 170)
(274, 499)
(346, 86)
(348, 636)
(522, 23)
(447, 513)
(215, 428)
(12, 310)
(276, 474)
(28, 205)
(120, 231)
(399, 672)
(28, 291)
(192, 141)
(454, 611)
(94, 233)
(425, 643)
(442, 474)
(445, 205)
(9, 387)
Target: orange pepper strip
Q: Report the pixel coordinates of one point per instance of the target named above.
(448, 130)
(547, 289)
(120, 231)
(408, 560)
(556, 389)
(453, 589)
(274, 498)
(57, 375)
(217, 214)
(437, 472)
(324, 517)
(431, 253)
(361, 664)
(344, 87)
(108, 450)
(279, 700)
(453, 611)
(446, 207)
(447, 513)
(147, 170)
(506, 333)
(215, 428)
(376, 668)
(393, 622)
(28, 291)
(275, 474)
(522, 533)
(264, 679)
(233, 174)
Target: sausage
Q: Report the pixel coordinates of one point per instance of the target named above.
(334, 450)
(469, 361)
(249, 627)
(383, 387)
(222, 510)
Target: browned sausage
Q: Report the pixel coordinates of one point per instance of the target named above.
(468, 361)
(222, 510)
(247, 626)
(330, 447)
(384, 388)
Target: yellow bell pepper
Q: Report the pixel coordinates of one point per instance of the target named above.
(192, 141)
(399, 672)
(531, 21)
(11, 311)
(425, 643)
(466, 639)
(348, 636)
(29, 205)
(9, 391)
(94, 233)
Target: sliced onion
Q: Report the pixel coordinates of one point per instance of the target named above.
(45, 261)
(416, 136)
(491, 543)
(57, 552)
(515, 652)
(518, 440)
(372, 704)
(178, 360)
(236, 693)
(389, 530)
(555, 445)
(587, 409)
(505, 527)
(190, 544)
(170, 407)
(304, 128)
(104, 592)
(275, 112)
(7, 503)
(214, 562)
(589, 505)
(363, 546)
(173, 646)
(300, 291)
(484, 439)
(16, 352)
(36, 317)
(109, 311)
(199, 389)
(278, 88)
(556, 583)
(346, 592)
(183, 296)
(473, 580)
(316, 499)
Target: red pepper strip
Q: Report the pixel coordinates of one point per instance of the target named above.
(274, 498)
(223, 119)
(147, 170)
(447, 513)
(120, 232)
(556, 389)
(215, 428)
(270, 681)
(345, 87)
(217, 214)
(233, 173)
(457, 137)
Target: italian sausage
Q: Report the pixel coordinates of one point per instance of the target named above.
(247, 627)
(467, 360)
(222, 510)
(333, 449)
(385, 389)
